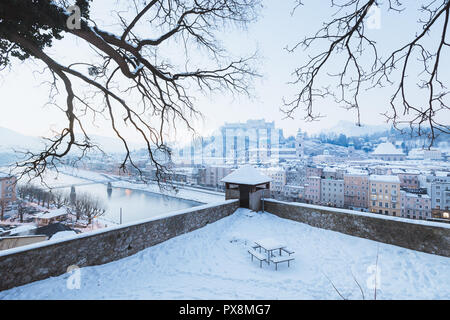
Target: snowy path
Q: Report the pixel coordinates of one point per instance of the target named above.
(212, 263)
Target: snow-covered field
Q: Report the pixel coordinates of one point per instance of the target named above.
(213, 263)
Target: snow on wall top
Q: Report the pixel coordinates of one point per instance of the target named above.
(110, 228)
(386, 148)
(246, 175)
(366, 214)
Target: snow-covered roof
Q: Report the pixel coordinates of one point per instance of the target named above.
(357, 172)
(52, 213)
(22, 228)
(442, 174)
(412, 171)
(415, 195)
(384, 178)
(63, 235)
(246, 175)
(387, 148)
(274, 169)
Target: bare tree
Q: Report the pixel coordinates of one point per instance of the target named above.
(344, 41)
(92, 208)
(88, 207)
(60, 198)
(20, 210)
(126, 65)
(3, 204)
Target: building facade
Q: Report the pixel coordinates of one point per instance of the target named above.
(385, 195)
(8, 188)
(408, 179)
(312, 189)
(356, 195)
(211, 175)
(415, 206)
(332, 192)
(278, 176)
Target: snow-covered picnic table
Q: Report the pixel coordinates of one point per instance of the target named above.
(270, 245)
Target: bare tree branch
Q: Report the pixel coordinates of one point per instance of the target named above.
(362, 67)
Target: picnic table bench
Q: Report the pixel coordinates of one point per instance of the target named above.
(258, 255)
(272, 252)
(280, 259)
(288, 251)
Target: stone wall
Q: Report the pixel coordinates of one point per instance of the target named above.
(26, 264)
(18, 241)
(429, 237)
(255, 200)
(232, 194)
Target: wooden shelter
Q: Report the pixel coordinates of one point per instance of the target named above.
(246, 184)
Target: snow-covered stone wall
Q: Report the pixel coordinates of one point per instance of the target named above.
(38, 261)
(429, 237)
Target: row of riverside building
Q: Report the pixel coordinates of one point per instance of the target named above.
(400, 193)
(376, 188)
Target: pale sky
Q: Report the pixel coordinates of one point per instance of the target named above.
(23, 98)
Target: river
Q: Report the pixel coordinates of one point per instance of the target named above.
(135, 204)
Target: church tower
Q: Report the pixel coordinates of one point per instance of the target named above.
(299, 147)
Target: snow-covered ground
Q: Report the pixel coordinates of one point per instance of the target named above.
(213, 263)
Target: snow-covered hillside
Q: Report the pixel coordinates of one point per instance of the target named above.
(350, 129)
(10, 140)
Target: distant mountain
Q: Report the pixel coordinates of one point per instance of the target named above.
(11, 140)
(114, 145)
(350, 129)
